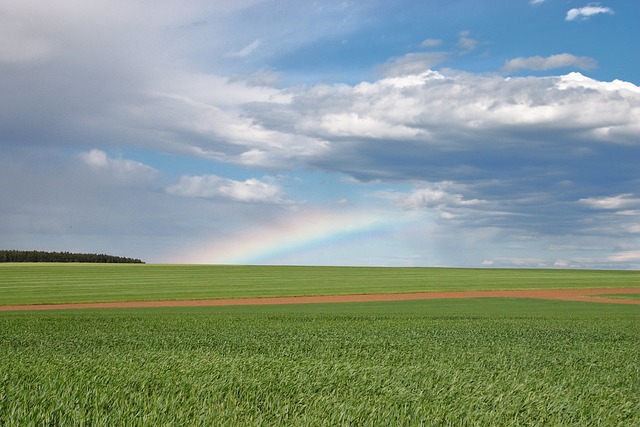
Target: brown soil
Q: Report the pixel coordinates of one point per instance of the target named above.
(590, 295)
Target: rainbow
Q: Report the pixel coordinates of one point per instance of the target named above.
(268, 244)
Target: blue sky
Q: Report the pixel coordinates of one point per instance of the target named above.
(406, 133)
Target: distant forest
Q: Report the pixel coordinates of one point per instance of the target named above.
(42, 256)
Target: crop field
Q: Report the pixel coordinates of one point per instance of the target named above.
(73, 283)
(490, 361)
(625, 296)
(448, 362)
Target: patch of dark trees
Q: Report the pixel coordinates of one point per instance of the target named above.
(42, 256)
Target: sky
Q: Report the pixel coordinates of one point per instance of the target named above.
(454, 133)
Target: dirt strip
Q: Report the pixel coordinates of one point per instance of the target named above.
(589, 295)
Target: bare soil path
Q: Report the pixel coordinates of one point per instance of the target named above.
(589, 295)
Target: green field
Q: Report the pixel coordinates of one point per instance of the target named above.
(447, 362)
(621, 296)
(64, 283)
(476, 362)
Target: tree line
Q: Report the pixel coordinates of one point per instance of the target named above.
(43, 256)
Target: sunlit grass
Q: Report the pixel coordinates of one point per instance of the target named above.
(621, 296)
(60, 283)
(440, 362)
(448, 362)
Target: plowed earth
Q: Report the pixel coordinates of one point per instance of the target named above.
(589, 295)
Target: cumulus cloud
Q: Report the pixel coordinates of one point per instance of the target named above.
(518, 149)
(435, 197)
(212, 186)
(438, 110)
(549, 62)
(586, 12)
(438, 196)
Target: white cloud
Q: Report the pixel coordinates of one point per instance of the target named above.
(536, 2)
(431, 43)
(434, 196)
(363, 126)
(120, 169)
(549, 62)
(621, 201)
(247, 50)
(465, 42)
(586, 12)
(522, 145)
(455, 109)
(198, 115)
(578, 81)
(212, 186)
(412, 63)
(96, 158)
(439, 197)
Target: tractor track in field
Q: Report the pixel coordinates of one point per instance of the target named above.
(585, 295)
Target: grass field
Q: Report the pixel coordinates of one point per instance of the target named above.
(477, 362)
(448, 362)
(68, 283)
(623, 296)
